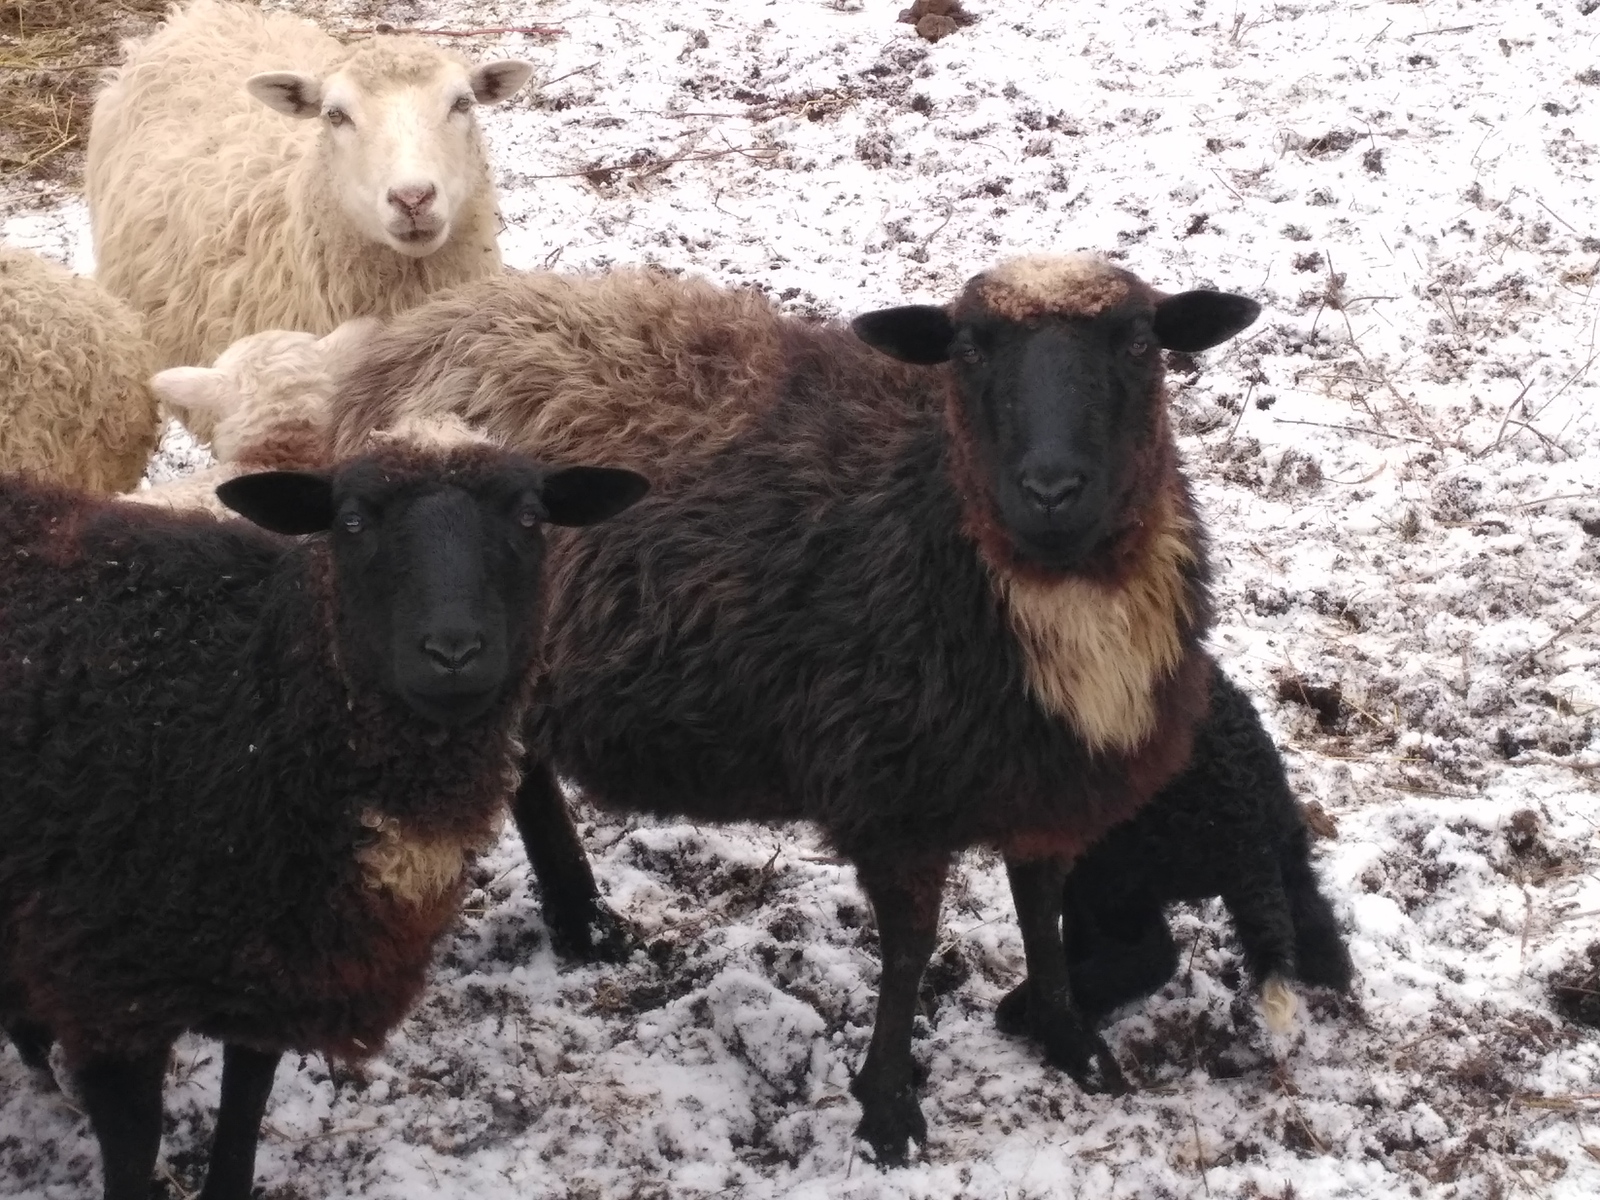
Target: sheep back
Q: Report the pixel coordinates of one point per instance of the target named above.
(1230, 813)
(632, 368)
(75, 403)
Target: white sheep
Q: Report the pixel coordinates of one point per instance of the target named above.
(268, 396)
(216, 217)
(75, 406)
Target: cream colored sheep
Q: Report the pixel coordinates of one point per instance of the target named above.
(74, 402)
(218, 217)
(268, 397)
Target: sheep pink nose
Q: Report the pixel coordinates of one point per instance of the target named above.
(413, 200)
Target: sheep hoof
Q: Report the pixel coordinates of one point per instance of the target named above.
(1097, 1073)
(1083, 1054)
(33, 1041)
(889, 1124)
(1278, 1005)
(1011, 1014)
(602, 937)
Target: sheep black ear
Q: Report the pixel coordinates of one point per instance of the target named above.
(914, 333)
(292, 502)
(289, 92)
(1198, 320)
(587, 495)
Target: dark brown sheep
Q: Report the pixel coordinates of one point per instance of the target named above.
(241, 776)
(950, 601)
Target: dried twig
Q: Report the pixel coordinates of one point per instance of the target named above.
(1510, 408)
(1432, 32)
(1395, 437)
(1577, 622)
(548, 31)
(759, 153)
(1556, 215)
(1199, 1150)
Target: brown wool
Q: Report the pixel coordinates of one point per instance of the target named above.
(630, 368)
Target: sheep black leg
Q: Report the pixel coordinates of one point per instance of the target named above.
(906, 902)
(33, 1041)
(123, 1098)
(1260, 911)
(1069, 1042)
(246, 1084)
(1126, 964)
(1112, 968)
(580, 923)
(1320, 954)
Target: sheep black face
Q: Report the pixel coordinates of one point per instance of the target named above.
(437, 571)
(1057, 373)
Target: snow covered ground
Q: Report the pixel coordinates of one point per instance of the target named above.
(1401, 467)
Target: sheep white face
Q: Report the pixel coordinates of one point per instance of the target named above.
(399, 140)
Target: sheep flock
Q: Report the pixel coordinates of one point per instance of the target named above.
(1394, 468)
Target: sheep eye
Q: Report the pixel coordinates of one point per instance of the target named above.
(336, 117)
(971, 355)
(528, 516)
(353, 522)
(1138, 348)
(463, 104)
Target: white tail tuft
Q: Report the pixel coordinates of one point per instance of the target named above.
(1278, 1005)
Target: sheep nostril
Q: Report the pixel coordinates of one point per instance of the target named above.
(453, 652)
(1050, 490)
(413, 201)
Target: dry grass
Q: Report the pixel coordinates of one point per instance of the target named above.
(52, 53)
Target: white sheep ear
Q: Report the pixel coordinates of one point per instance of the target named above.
(290, 92)
(203, 389)
(493, 82)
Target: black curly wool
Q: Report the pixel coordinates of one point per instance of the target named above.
(1228, 826)
(183, 774)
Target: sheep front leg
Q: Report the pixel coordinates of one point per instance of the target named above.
(123, 1097)
(580, 923)
(1053, 1018)
(32, 1040)
(906, 901)
(246, 1084)
(1108, 967)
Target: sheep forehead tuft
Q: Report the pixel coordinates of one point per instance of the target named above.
(1068, 285)
(466, 462)
(435, 431)
(385, 64)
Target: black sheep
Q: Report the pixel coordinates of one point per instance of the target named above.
(1228, 826)
(922, 606)
(241, 776)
